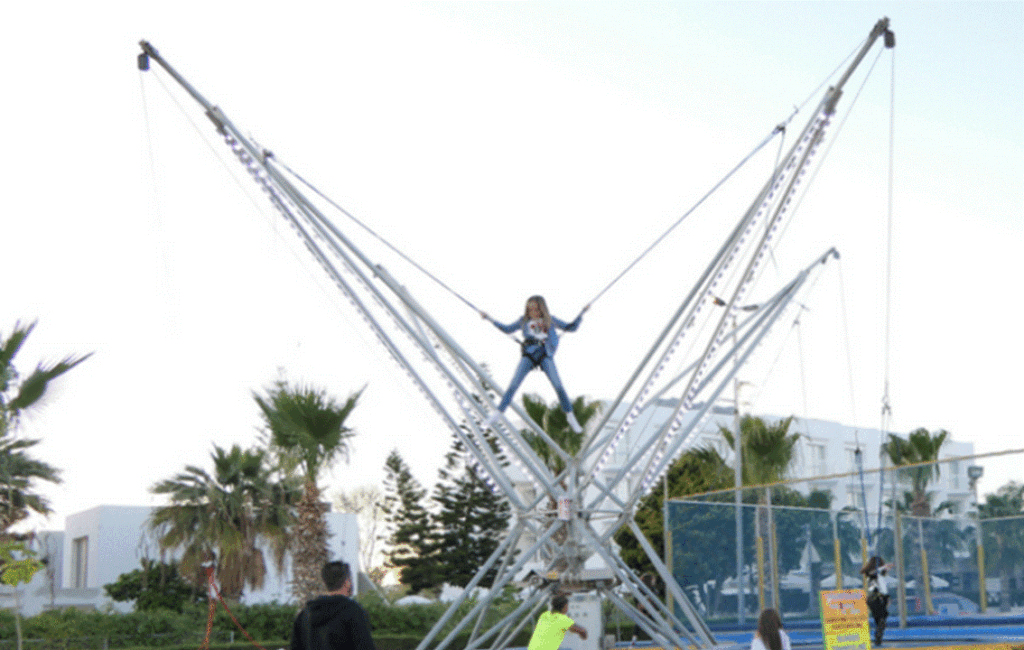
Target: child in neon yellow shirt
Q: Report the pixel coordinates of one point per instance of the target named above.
(553, 625)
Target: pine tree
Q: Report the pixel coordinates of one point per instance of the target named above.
(412, 539)
(471, 517)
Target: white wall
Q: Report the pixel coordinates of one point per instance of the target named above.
(118, 539)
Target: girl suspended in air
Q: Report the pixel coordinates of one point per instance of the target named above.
(540, 340)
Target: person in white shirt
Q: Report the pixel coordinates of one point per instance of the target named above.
(770, 635)
(878, 593)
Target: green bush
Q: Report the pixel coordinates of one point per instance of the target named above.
(72, 629)
(154, 628)
(264, 621)
(155, 585)
(396, 641)
(417, 620)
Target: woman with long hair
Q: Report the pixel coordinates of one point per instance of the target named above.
(770, 635)
(540, 340)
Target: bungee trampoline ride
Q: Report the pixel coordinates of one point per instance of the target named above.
(566, 522)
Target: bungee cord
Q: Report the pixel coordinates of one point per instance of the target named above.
(886, 415)
(798, 107)
(783, 343)
(230, 169)
(837, 130)
(780, 129)
(858, 456)
(373, 233)
(846, 340)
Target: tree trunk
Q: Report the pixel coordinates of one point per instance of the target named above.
(17, 617)
(309, 546)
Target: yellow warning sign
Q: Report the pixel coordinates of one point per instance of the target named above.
(844, 619)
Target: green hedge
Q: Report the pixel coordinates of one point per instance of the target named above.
(154, 628)
(71, 629)
(409, 642)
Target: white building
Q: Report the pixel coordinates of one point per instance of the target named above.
(98, 545)
(825, 449)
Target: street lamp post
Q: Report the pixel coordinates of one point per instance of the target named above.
(741, 592)
(974, 472)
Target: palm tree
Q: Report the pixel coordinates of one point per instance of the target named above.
(919, 446)
(222, 519)
(767, 451)
(18, 470)
(553, 420)
(307, 432)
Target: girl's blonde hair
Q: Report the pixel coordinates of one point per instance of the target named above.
(545, 315)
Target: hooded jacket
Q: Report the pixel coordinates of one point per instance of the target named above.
(332, 623)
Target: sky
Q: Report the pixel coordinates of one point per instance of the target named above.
(511, 149)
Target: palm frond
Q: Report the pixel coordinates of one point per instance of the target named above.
(34, 386)
(10, 346)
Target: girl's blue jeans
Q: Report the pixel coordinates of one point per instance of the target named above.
(547, 364)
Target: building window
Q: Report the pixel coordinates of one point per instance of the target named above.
(851, 459)
(79, 562)
(955, 475)
(855, 498)
(816, 458)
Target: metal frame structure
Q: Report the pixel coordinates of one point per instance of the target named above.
(570, 517)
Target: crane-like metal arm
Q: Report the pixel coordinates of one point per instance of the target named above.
(881, 28)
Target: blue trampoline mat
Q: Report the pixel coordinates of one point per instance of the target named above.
(920, 630)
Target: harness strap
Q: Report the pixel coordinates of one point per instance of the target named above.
(534, 350)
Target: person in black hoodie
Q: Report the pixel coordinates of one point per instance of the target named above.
(333, 621)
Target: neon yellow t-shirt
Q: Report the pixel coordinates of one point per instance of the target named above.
(550, 631)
